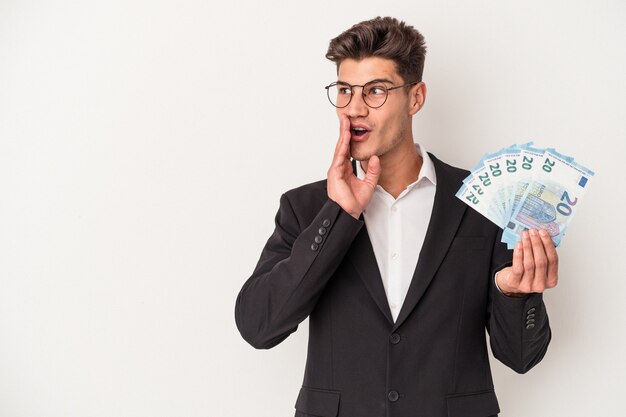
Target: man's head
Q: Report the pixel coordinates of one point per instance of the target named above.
(384, 37)
(391, 54)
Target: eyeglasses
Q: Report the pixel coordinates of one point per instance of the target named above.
(374, 93)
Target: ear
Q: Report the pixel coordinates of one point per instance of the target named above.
(417, 97)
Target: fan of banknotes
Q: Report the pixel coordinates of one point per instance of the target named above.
(523, 187)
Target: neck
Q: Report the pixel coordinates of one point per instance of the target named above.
(399, 168)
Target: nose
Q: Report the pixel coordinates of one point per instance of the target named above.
(357, 107)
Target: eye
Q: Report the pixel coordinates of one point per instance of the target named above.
(376, 90)
(343, 90)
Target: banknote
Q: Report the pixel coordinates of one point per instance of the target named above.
(521, 187)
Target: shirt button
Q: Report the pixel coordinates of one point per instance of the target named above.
(392, 306)
(395, 338)
(394, 255)
(393, 396)
(394, 209)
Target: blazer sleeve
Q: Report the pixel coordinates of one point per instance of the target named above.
(292, 272)
(518, 327)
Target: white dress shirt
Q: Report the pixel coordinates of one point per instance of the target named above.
(397, 227)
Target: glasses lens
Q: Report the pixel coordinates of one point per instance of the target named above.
(339, 95)
(375, 94)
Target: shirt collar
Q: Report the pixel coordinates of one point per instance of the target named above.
(426, 171)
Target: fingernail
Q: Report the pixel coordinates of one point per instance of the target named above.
(533, 232)
(543, 233)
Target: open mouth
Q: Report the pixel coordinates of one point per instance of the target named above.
(358, 132)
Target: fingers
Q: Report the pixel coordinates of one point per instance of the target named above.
(518, 264)
(535, 264)
(340, 137)
(552, 259)
(539, 260)
(344, 126)
(342, 149)
(526, 284)
(373, 171)
(546, 260)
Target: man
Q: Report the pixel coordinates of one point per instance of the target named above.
(398, 277)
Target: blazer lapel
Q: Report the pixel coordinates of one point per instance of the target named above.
(361, 256)
(444, 222)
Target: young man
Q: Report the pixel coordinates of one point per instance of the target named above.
(398, 277)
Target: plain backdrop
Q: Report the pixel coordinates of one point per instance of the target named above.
(144, 146)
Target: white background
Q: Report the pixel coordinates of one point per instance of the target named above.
(144, 146)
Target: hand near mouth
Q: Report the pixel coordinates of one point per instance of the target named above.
(350, 192)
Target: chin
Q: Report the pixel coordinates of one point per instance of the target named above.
(360, 155)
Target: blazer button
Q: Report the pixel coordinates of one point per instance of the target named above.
(530, 316)
(326, 223)
(314, 246)
(393, 396)
(530, 326)
(531, 311)
(318, 239)
(395, 338)
(322, 231)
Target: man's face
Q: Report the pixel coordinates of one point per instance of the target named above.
(385, 126)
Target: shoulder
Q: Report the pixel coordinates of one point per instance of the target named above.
(449, 181)
(303, 203)
(447, 172)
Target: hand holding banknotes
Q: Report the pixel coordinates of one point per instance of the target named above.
(532, 194)
(535, 265)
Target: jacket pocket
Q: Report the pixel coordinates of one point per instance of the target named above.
(318, 402)
(473, 404)
(468, 243)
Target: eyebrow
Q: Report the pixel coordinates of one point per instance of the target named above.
(377, 80)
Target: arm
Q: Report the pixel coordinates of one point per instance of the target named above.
(296, 264)
(517, 318)
(293, 270)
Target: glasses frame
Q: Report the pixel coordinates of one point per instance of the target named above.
(388, 89)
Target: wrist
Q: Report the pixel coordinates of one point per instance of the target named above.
(354, 213)
(515, 294)
(506, 291)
